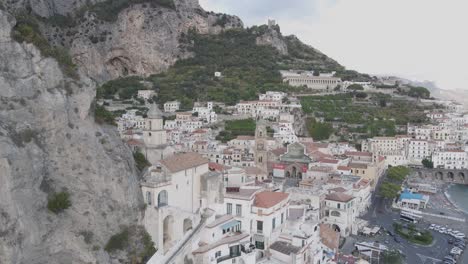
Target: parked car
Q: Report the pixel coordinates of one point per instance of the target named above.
(450, 241)
(396, 239)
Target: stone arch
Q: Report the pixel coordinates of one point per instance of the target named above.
(163, 198)
(439, 175)
(187, 225)
(294, 172)
(335, 213)
(461, 176)
(450, 176)
(168, 232)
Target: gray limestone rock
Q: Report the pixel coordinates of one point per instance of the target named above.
(49, 143)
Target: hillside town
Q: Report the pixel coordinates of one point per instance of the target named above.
(244, 183)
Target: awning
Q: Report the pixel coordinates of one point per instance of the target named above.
(230, 224)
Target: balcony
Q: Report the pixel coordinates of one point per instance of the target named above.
(230, 256)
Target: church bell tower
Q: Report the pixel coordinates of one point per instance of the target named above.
(261, 154)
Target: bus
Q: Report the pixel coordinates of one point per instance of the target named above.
(411, 216)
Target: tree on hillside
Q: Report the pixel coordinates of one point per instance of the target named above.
(389, 190)
(319, 131)
(427, 163)
(398, 173)
(355, 87)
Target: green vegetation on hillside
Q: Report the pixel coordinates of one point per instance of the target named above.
(318, 130)
(417, 92)
(27, 30)
(427, 163)
(398, 173)
(140, 160)
(118, 241)
(110, 9)
(234, 128)
(376, 115)
(132, 239)
(247, 68)
(103, 116)
(391, 187)
(58, 202)
(389, 190)
(125, 88)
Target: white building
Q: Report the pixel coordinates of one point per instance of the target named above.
(418, 149)
(261, 213)
(450, 159)
(171, 106)
(176, 191)
(273, 96)
(145, 94)
(340, 212)
(222, 242)
(130, 120)
(205, 113)
(322, 82)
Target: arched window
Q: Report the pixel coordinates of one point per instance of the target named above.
(335, 213)
(148, 198)
(162, 198)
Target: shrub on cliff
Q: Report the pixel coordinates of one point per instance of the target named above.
(58, 202)
(27, 30)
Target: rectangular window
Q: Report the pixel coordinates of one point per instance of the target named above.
(282, 218)
(338, 205)
(218, 254)
(238, 210)
(229, 208)
(260, 226)
(273, 223)
(260, 245)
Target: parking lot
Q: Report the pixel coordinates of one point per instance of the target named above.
(380, 214)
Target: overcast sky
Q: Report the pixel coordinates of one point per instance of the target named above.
(418, 39)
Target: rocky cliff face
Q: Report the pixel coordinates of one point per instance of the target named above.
(143, 40)
(273, 38)
(49, 143)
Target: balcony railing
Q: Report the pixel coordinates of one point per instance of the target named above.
(230, 256)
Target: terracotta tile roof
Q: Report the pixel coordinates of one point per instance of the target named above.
(358, 165)
(344, 168)
(183, 161)
(329, 237)
(338, 189)
(199, 131)
(217, 166)
(278, 151)
(339, 197)
(325, 160)
(134, 142)
(358, 153)
(267, 199)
